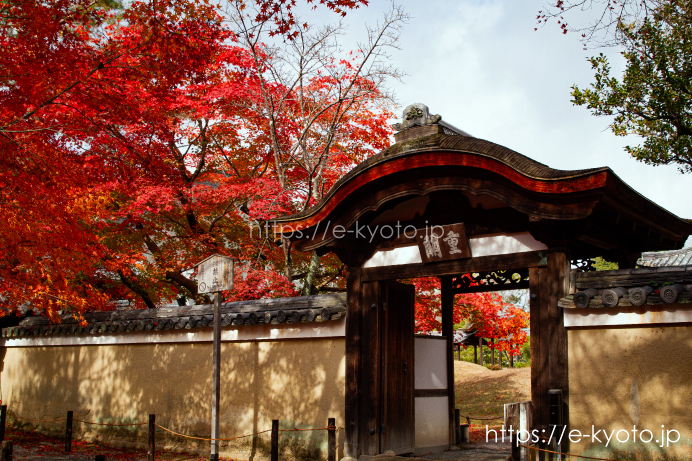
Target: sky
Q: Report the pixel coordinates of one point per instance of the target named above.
(484, 69)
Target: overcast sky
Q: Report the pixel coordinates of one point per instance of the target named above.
(483, 68)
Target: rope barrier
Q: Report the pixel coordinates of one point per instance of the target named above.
(109, 424)
(209, 440)
(314, 429)
(334, 428)
(79, 421)
(566, 454)
(41, 420)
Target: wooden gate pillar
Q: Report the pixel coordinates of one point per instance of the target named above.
(547, 284)
(353, 360)
(447, 311)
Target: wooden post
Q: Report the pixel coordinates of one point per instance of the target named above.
(216, 378)
(457, 426)
(538, 318)
(511, 360)
(518, 418)
(6, 451)
(3, 420)
(275, 440)
(151, 454)
(480, 349)
(68, 433)
(447, 308)
(492, 352)
(331, 439)
(354, 356)
(544, 431)
(370, 387)
(559, 267)
(475, 354)
(548, 335)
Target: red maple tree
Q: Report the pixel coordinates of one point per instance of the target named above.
(492, 317)
(131, 147)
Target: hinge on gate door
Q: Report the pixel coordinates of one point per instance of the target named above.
(384, 306)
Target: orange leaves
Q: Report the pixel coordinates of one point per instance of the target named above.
(494, 318)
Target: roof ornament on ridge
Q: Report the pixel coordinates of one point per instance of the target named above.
(417, 122)
(416, 115)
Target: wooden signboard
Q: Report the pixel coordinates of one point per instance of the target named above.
(442, 243)
(215, 274)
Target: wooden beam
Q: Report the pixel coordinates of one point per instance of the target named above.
(493, 288)
(447, 308)
(430, 393)
(353, 360)
(460, 266)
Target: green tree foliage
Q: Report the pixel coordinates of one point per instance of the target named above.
(601, 264)
(653, 99)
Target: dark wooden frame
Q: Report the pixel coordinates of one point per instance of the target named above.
(549, 281)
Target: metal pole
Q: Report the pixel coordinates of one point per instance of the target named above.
(216, 390)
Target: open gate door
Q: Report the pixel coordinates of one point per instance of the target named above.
(397, 368)
(387, 405)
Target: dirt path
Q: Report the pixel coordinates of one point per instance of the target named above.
(476, 452)
(482, 393)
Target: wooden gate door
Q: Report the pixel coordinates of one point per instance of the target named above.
(397, 368)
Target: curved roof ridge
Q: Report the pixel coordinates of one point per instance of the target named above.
(436, 142)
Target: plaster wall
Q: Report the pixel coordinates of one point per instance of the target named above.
(301, 382)
(631, 376)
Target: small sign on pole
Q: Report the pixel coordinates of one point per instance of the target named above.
(214, 275)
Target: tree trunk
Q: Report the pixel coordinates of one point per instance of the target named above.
(307, 284)
(288, 261)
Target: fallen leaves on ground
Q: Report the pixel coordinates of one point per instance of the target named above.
(46, 446)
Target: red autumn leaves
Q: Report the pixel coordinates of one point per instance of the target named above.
(135, 141)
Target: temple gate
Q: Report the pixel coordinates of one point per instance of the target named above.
(442, 203)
